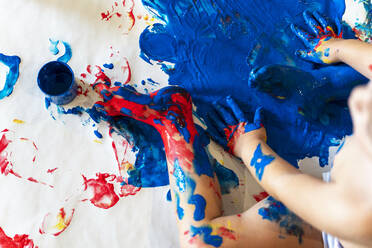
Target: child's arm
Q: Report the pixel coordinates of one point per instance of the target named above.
(326, 46)
(327, 206)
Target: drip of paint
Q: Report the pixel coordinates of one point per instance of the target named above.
(12, 63)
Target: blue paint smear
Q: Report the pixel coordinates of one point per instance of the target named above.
(169, 196)
(246, 49)
(68, 53)
(12, 62)
(98, 134)
(277, 212)
(227, 178)
(260, 161)
(180, 177)
(53, 46)
(197, 200)
(109, 66)
(180, 211)
(205, 233)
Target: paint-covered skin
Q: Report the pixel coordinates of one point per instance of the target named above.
(12, 63)
(275, 211)
(214, 45)
(316, 42)
(260, 161)
(18, 241)
(228, 122)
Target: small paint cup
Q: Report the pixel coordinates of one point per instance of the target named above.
(56, 80)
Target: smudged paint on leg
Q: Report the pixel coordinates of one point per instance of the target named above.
(197, 200)
(205, 232)
(277, 212)
(180, 211)
(12, 63)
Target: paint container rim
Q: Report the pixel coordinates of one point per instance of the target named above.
(66, 66)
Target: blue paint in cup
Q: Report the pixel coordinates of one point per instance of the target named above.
(56, 80)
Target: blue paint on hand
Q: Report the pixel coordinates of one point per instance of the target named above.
(205, 232)
(260, 161)
(277, 212)
(12, 62)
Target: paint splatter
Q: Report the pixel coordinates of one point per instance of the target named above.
(103, 193)
(17, 121)
(12, 63)
(122, 12)
(261, 196)
(288, 221)
(57, 224)
(18, 241)
(260, 161)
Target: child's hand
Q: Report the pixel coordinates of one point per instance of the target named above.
(230, 127)
(322, 41)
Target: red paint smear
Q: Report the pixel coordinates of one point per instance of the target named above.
(129, 73)
(239, 215)
(63, 215)
(100, 75)
(18, 241)
(225, 232)
(50, 171)
(260, 196)
(104, 195)
(213, 186)
(370, 67)
(4, 142)
(127, 190)
(179, 103)
(106, 16)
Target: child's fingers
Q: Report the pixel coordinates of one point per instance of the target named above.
(236, 109)
(321, 20)
(258, 117)
(225, 115)
(313, 24)
(305, 37)
(215, 120)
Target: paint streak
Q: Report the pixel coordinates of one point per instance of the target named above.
(118, 10)
(197, 200)
(18, 241)
(208, 53)
(53, 46)
(227, 178)
(277, 212)
(226, 232)
(68, 53)
(51, 171)
(104, 195)
(204, 232)
(18, 121)
(98, 134)
(55, 225)
(260, 161)
(180, 211)
(261, 196)
(12, 63)
(370, 67)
